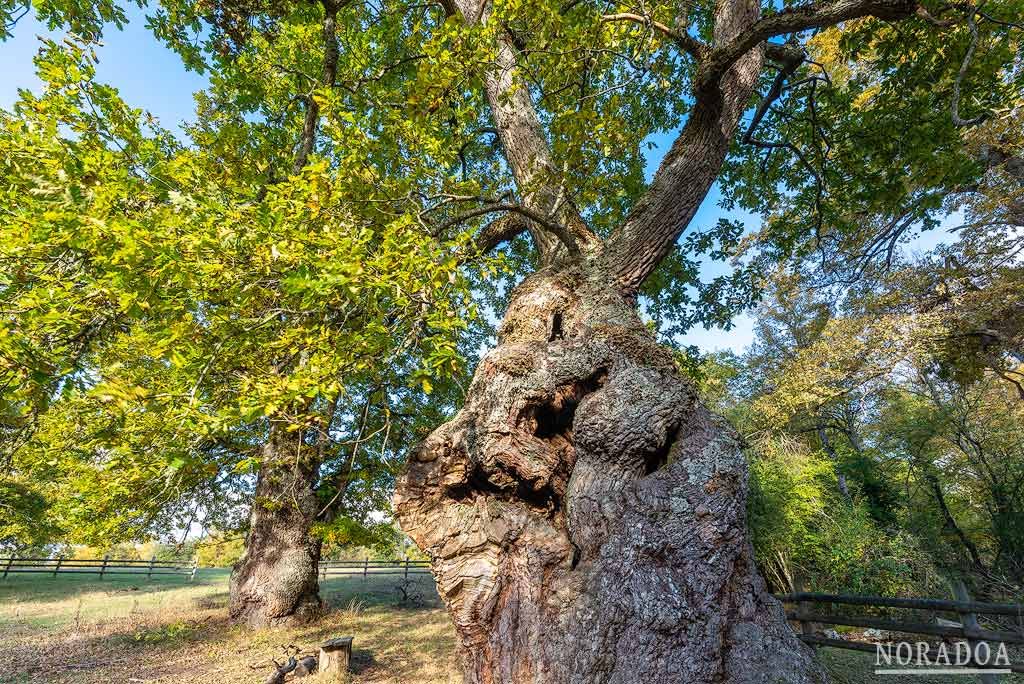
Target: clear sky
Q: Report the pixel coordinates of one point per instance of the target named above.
(147, 74)
(152, 77)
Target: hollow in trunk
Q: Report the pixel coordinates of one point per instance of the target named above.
(585, 513)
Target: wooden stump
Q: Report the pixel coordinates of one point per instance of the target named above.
(335, 655)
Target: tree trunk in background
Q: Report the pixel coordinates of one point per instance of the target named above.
(275, 581)
(585, 514)
(826, 443)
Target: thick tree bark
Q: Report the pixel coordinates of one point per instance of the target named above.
(585, 514)
(275, 581)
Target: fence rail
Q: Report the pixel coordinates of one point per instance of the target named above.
(367, 567)
(152, 567)
(96, 566)
(966, 629)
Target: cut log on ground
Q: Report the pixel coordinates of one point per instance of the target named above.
(335, 656)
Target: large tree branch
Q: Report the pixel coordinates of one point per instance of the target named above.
(684, 40)
(692, 163)
(560, 232)
(724, 82)
(958, 82)
(500, 230)
(526, 149)
(793, 20)
(327, 79)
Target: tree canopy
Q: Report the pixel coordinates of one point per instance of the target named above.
(314, 254)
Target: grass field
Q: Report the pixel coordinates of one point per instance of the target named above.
(80, 630)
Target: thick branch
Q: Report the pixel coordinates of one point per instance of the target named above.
(693, 162)
(560, 232)
(793, 20)
(773, 94)
(958, 82)
(327, 79)
(684, 40)
(526, 149)
(500, 230)
(724, 81)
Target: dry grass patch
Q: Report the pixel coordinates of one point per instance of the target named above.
(80, 631)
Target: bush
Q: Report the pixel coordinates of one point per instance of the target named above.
(808, 537)
(220, 550)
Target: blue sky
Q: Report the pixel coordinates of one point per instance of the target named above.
(148, 75)
(152, 77)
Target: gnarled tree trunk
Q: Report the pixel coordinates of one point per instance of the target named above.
(275, 581)
(585, 514)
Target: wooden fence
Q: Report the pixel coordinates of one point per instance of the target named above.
(367, 567)
(96, 566)
(153, 567)
(808, 614)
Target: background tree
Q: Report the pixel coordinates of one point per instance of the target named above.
(938, 431)
(174, 330)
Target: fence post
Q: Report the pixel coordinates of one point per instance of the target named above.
(10, 559)
(152, 561)
(366, 566)
(60, 559)
(103, 568)
(406, 567)
(970, 624)
(803, 609)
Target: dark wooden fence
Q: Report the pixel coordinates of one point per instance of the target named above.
(811, 610)
(367, 567)
(96, 566)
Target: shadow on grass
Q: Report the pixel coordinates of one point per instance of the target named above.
(420, 593)
(362, 661)
(126, 644)
(173, 635)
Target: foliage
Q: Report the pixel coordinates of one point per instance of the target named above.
(219, 550)
(838, 190)
(23, 523)
(885, 452)
(165, 320)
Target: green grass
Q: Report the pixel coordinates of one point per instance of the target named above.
(51, 603)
